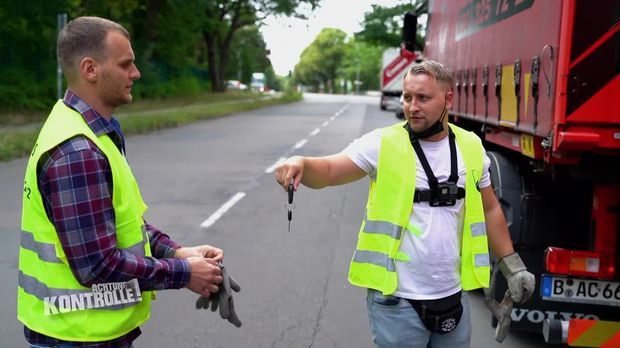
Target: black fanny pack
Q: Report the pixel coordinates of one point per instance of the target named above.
(441, 315)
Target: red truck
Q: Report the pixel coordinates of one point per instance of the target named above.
(538, 82)
(394, 64)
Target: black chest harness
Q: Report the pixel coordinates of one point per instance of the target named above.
(440, 194)
(444, 314)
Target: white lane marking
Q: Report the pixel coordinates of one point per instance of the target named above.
(315, 132)
(275, 165)
(299, 144)
(239, 195)
(223, 209)
(302, 142)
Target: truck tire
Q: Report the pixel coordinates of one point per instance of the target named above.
(537, 214)
(507, 184)
(382, 103)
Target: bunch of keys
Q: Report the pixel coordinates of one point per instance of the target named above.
(289, 205)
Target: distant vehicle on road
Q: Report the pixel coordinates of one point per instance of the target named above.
(258, 82)
(395, 63)
(235, 84)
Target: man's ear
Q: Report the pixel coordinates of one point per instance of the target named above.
(89, 69)
(449, 96)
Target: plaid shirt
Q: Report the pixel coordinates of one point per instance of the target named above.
(75, 180)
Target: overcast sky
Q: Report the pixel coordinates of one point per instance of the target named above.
(287, 37)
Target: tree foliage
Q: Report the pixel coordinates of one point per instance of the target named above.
(181, 46)
(223, 18)
(383, 25)
(362, 62)
(27, 52)
(248, 55)
(360, 65)
(322, 59)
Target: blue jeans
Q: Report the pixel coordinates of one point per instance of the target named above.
(394, 323)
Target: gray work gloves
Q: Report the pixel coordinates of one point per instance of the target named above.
(223, 299)
(521, 283)
(502, 312)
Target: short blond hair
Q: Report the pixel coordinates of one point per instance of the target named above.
(84, 37)
(438, 71)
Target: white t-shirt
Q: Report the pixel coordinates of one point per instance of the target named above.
(433, 237)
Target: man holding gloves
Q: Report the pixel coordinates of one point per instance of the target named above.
(89, 264)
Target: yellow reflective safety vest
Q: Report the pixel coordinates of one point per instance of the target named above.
(389, 205)
(44, 272)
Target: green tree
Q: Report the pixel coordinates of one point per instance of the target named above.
(248, 55)
(383, 25)
(321, 60)
(28, 53)
(167, 40)
(362, 60)
(223, 18)
(181, 45)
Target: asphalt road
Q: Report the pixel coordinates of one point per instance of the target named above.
(294, 287)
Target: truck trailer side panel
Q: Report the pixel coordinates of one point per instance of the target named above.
(539, 82)
(481, 41)
(534, 69)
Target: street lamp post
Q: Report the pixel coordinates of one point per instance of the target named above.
(239, 66)
(61, 21)
(357, 77)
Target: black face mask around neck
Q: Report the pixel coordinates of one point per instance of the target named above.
(435, 128)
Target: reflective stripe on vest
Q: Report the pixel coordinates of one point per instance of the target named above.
(478, 229)
(383, 227)
(44, 271)
(47, 251)
(375, 258)
(481, 260)
(390, 201)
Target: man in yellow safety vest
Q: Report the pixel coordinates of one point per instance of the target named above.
(88, 262)
(430, 218)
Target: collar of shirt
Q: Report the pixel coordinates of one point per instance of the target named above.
(97, 123)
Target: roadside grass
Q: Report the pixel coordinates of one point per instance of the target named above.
(202, 98)
(18, 144)
(149, 116)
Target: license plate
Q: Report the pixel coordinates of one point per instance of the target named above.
(577, 290)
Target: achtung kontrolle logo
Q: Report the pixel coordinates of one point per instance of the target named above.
(102, 295)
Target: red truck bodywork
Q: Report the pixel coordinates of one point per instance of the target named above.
(539, 82)
(580, 112)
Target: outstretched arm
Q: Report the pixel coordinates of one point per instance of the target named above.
(318, 172)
